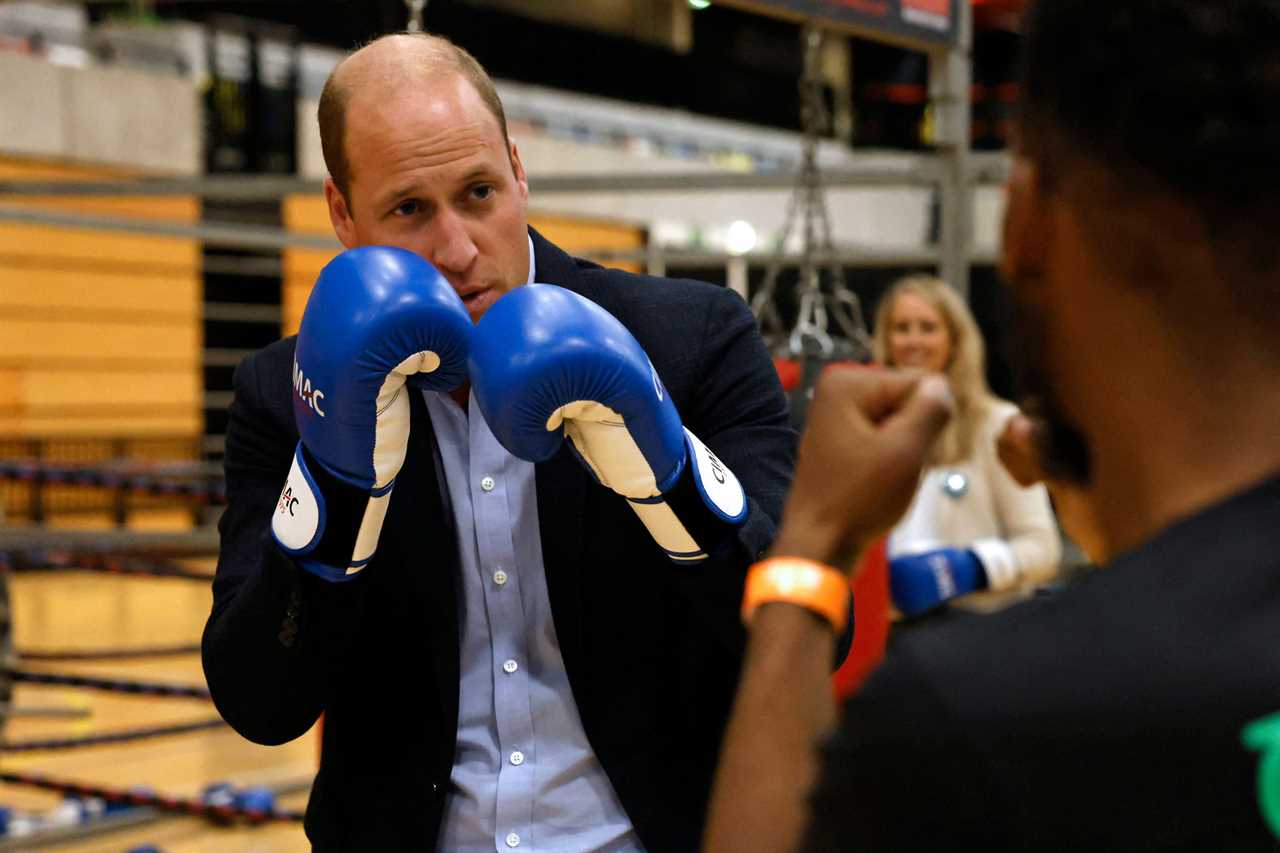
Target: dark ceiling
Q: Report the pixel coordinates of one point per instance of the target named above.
(741, 66)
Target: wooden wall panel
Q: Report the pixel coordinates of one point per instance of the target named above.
(75, 344)
(133, 422)
(100, 331)
(135, 253)
(306, 214)
(583, 236)
(43, 387)
(63, 290)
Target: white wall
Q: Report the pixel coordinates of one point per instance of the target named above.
(131, 118)
(98, 115)
(32, 110)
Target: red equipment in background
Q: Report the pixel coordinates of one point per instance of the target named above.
(870, 585)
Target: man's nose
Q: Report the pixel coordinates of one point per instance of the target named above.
(452, 248)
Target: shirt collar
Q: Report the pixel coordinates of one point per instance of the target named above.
(532, 263)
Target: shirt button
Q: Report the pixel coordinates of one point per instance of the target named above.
(513, 840)
(510, 667)
(487, 484)
(500, 577)
(517, 758)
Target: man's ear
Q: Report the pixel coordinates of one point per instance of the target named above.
(1028, 225)
(517, 169)
(340, 214)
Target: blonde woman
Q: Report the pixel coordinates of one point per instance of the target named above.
(972, 534)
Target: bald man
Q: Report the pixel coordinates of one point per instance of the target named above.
(519, 667)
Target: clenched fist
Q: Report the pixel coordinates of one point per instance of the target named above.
(868, 435)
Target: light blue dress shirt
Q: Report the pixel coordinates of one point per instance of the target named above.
(524, 776)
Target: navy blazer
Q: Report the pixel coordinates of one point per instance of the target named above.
(652, 649)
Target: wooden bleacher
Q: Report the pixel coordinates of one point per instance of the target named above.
(100, 333)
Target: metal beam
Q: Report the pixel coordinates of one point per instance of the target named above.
(916, 173)
(921, 170)
(223, 187)
(218, 399)
(244, 237)
(243, 312)
(848, 256)
(950, 79)
(229, 236)
(225, 356)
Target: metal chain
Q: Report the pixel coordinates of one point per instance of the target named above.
(416, 8)
(808, 208)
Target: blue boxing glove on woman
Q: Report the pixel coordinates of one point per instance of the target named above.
(921, 582)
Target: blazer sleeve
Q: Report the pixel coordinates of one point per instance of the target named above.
(740, 412)
(737, 409)
(277, 636)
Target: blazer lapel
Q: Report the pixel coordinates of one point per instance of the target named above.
(429, 551)
(561, 486)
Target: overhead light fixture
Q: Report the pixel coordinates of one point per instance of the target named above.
(741, 238)
(699, 4)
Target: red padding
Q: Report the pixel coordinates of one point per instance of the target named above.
(870, 619)
(789, 372)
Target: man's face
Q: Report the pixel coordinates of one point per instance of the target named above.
(430, 173)
(1029, 272)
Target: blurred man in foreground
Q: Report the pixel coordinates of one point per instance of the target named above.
(1140, 248)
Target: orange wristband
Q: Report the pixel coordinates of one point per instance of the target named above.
(806, 583)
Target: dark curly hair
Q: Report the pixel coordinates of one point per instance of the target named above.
(1179, 98)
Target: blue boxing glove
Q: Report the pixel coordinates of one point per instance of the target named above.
(547, 364)
(920, 582)
(377, 317)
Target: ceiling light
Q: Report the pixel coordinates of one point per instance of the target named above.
(741, 238)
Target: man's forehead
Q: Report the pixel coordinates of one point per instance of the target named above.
(400, 141)
(422, 106)
(408, 143)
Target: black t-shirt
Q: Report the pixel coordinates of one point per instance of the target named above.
(1104, 718)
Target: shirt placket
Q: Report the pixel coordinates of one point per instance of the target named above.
(503, 603)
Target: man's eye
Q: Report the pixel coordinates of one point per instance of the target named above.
(407, 208)
(482, 192)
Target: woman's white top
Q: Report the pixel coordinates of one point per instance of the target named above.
(978, 505)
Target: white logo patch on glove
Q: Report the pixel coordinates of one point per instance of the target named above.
(718, 485)
(299, 516)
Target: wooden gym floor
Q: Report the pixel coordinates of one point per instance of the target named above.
(80, 610)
